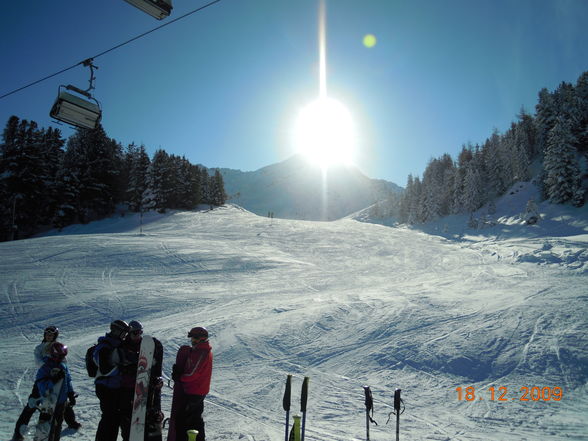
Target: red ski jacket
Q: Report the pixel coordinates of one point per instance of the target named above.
(196, 369)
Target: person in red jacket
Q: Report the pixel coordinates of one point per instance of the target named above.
(193, 370)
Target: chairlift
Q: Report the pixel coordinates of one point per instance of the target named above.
(158, 9)
(75, 110)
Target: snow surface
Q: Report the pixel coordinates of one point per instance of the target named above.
(347, 303)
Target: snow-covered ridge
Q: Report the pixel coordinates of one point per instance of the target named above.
(346, 303)
(296, 189)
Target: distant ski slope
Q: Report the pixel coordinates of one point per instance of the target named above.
(346, 303)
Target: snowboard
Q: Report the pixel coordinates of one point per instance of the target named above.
(178, 396)
(139, 415)
(49, 411)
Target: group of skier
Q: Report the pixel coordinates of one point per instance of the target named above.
(116, 358)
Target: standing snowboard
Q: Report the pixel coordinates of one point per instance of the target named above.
(138, 419)
(178, 397)
(49, 413)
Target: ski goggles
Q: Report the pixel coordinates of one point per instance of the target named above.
(51, 330)
(136, 332)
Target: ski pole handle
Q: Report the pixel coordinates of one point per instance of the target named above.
(369, 403)
(286, 402)
(303, 400)
(192, 434)
(287, 393)
(397, 399)
(304, 394)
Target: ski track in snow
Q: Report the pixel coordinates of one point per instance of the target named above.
(346, 303)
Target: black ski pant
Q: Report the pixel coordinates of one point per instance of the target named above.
(27, 412)
(112, 405)
(190, 417)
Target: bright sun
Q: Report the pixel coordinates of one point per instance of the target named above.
(325, 133)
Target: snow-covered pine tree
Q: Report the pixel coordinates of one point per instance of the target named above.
(464, 157)
(520, 153)
(546, 115)
(94, 161)
(29, 158)
(495, 165)
(139, 162)
(218, 195)
(205, 189)
(415, 211)
(473, 195)
(562, 172)
(404, 200)
(156, 196)
(582, 100)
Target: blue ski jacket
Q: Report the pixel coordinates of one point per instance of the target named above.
(109, 359)
(46, 384)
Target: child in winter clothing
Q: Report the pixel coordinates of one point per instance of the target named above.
(49, 376)
(41, 352)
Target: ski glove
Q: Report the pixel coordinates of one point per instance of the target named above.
(176, 373)
(57, 374)
(157, 383)
(72, 398)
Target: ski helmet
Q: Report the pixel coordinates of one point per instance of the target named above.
(198, 332)
(58, 351)
(54, 330)
(119, 328)
(135, 326)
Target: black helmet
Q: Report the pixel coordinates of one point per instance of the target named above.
(119, 328)
(198, 332)
(54, 330)
(135, 326)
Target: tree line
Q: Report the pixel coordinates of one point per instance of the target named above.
(48, 182)
(555, 140)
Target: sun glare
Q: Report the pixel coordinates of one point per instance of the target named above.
(324, 132)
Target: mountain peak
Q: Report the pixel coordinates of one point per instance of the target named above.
(297, 189)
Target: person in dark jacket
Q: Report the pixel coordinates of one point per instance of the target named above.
(193, 369)
(41, 351)
(131, 348)
(109, 359)
(49, 375)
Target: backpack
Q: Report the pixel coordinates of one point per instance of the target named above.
(91, 366)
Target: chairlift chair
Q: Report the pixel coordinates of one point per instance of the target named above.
(158, 9)
(75, 110)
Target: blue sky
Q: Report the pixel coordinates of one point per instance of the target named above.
(223, 86)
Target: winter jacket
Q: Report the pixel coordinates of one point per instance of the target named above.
(197, 368)
(42, 351)
(130, 353)
(46, 384)
(109, 359)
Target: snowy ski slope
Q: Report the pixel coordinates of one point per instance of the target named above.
(346, 303)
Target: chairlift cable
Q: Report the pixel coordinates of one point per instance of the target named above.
(111, 49)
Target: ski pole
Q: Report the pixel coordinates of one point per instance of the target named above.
(397, 401)
(192, 434)
(303, 400)
(286, 402)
